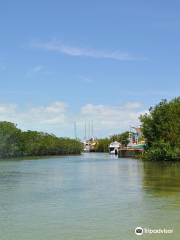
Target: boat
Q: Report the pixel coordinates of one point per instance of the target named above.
(89, 145)
(114, 147)
(135, 146)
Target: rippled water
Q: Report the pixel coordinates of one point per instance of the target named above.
(88, 197)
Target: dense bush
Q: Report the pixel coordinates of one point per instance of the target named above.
(102, 145)
(161, 129)
(15, 143)
(10, 140)
(162, 151)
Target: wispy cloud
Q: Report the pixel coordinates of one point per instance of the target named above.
(37, 70)
(56, 117)
(85, 52)
(37, 117)
(34, 70)
(113, 118)
(85, 79)
(7, 108)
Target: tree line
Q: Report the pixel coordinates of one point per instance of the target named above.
(161, 129)
(17, 143)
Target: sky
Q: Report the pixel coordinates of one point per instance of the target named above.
(77, 61)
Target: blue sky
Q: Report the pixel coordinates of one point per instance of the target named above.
(106, 61)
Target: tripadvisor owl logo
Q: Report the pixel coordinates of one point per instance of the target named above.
(139, 231)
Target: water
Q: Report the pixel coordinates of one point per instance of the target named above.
(88, 197)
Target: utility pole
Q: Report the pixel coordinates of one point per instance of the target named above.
(92, 129)
(89, 129)
(75, 130)
(85, 135)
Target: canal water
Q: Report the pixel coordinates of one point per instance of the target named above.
(88, 197)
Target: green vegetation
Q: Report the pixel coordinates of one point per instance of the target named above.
(123, 138)
(162, 151)
(103, 143)
(161, 129)
(16, 143)
(161, 178)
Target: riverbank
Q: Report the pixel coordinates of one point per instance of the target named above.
(17, 143)
(160, 129)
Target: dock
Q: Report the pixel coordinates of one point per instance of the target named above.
(129, 152)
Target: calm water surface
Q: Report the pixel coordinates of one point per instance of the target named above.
(88, 197)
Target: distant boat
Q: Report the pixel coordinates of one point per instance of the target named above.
(139, 146)
(114, 147)
(89, 145)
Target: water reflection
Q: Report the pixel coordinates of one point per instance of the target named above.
(92, 196)
(161, 178)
